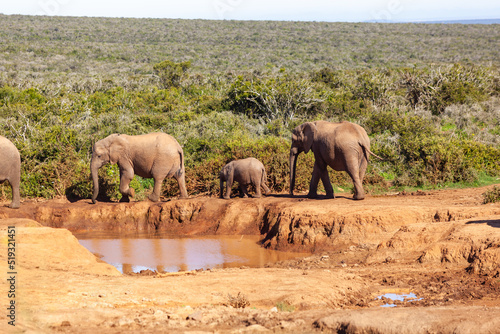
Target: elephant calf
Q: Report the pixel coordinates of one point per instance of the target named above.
(154, 155)
(10, 169)
(249, 171)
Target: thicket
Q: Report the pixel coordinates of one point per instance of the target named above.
(434, 124)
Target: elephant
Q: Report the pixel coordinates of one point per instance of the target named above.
(10, 169)
(343, 146)
(249, 171)
(154, 155)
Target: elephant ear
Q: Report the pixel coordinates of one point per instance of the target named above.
(117, 149)
(308, 131)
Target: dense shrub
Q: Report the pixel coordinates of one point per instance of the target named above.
(492, 195)
(282, 98)
(171, 74)
(439, 87)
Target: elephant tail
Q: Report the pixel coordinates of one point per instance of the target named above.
(367, 152)
(180, 171)
(264, 176)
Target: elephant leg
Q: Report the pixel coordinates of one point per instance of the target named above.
(325, 178)
(267, 191)
(16, 198)
(258, 192)
(362, 169)
(181, 181)
(126, 175)
(229, 185)
(243, 191)
(313, 185)
(221, 182)
(354, 172)
(155, 195)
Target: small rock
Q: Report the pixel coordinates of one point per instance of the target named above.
(254, 328)
(65, 323)
(196, 316)
(274, 309)
(158, 313)
(124, 322)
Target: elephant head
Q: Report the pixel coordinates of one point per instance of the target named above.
(302, 140)
(107, 150)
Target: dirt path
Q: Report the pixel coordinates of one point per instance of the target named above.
(441, 246)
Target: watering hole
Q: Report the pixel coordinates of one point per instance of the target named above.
(390, 298)
(131, 253)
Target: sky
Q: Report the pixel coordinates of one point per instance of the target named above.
(294, 10)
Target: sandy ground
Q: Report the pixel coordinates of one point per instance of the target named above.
(441, 246)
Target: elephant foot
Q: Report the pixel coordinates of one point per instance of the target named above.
(227, 197)
(257, 196)
(330, 196)
(14, 206)
(312, 195)
(358, 197)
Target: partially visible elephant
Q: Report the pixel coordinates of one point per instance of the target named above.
(343, 146)
(249, 171)
(10, 169)
(154, 155)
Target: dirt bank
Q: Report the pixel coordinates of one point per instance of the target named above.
(442, 246)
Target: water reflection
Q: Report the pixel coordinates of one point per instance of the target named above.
(166, 253)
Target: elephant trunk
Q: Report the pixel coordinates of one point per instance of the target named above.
(293, 167)
(94, 168)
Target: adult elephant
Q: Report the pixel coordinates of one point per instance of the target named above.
(249, 171)
(342, 146)
(154, 155)
(10, 169)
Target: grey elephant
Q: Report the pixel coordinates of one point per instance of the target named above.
(249, 171)
(10, 169)
(343, 146)
(155, 155)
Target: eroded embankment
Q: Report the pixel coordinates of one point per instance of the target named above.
(424, 228)
(442, 246)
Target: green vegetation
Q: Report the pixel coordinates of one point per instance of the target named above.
(285, 306)
(492, 195)
(427, 94)
(238, 301)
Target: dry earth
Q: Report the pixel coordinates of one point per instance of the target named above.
(442, 246)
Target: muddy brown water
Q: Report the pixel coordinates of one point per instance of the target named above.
(131, 253)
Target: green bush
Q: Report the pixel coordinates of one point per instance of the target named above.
(492, 195)
(282, 98)
(436, 88)
(170, 73)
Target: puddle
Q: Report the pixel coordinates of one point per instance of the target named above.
(409, 297)
(131, 253)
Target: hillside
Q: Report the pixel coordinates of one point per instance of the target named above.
(116, 45)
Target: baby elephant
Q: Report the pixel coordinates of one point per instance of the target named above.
(245, 171)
